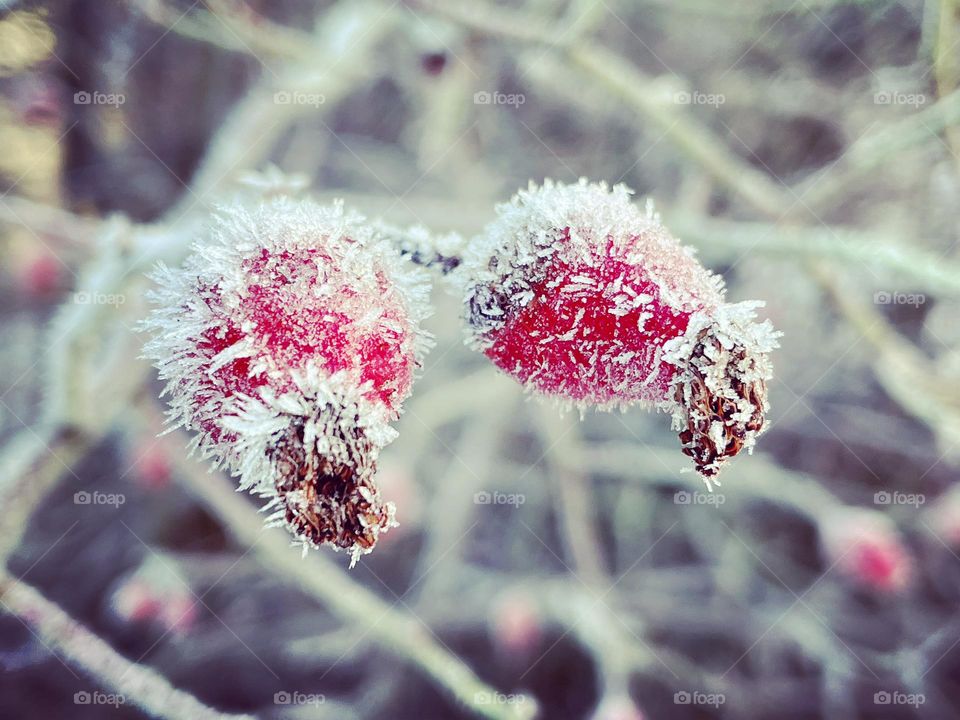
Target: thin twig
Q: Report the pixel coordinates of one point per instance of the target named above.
(62, 634)
(326, 581)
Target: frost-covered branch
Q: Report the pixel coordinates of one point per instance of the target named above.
(60, 633)
(232, 26)
(911, 267)
(66, 228)
(323, 579)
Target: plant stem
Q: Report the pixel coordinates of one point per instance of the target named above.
(62, 634)
(326, 581)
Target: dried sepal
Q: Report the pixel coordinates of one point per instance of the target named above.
(312, 452)
(719, 399)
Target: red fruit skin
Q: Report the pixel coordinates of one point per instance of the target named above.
(583, 297)
(540, 345)
(152, 466)
(881, 566)
(289, 330)
(517, 626)
(43, 275)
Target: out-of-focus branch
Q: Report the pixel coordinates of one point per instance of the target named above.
(260, 33)
(946, 67)
(913, 268)
(31, 464)
(349, 35)
(824, 190)
(561, 437)
(905, 373)
(232, 26)
(67, 228)
(323, 579)
(628, 83)
(62, 634)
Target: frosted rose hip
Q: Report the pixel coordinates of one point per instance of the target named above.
(581, 296)
(289, 340)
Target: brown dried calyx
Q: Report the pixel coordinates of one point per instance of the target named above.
(721, 397)
(329, 497)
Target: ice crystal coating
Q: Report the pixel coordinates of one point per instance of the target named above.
(289, 340)
(581, 296)
(423, 247)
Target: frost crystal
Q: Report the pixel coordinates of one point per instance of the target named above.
(583, 297)
(289, 340)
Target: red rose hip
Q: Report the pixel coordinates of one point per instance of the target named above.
(582, 297)
(289, 340)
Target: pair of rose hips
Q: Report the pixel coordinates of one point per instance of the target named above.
(291, 337)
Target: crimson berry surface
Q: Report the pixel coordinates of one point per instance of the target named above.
(289, 340)
(583, 297)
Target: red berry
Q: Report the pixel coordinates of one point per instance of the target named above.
(582, 297)
(43, 274)
(289, 341)
(517, 624)
(865, 546)
(150, 463)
